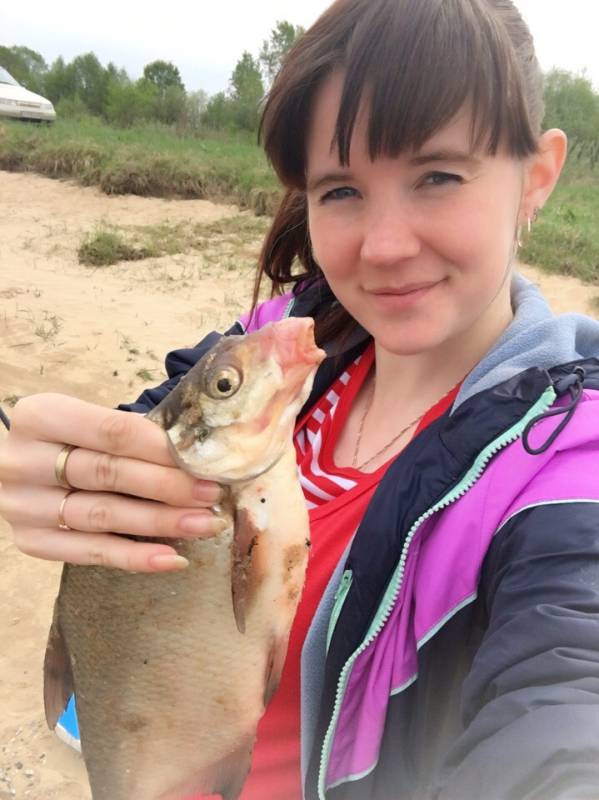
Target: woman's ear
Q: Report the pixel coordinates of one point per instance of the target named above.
(542, 172)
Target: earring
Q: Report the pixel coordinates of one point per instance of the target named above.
(533, 219)
(519, 237)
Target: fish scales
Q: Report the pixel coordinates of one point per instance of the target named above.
(172, 672)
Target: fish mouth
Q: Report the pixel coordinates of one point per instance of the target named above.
(182, 463)
(292, 341)
(196, 472)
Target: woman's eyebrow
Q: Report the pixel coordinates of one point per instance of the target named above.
(455, 156)
(329, 177)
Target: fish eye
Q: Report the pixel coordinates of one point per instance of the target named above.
(224, 383)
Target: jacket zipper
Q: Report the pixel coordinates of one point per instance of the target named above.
(394, 587)
(340, 595)
(288, 308)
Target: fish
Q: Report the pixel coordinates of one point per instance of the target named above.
(173, 671)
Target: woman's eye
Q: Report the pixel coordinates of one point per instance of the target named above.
(441, 178)
(341, 193)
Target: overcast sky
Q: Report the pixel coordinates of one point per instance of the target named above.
(205, 38)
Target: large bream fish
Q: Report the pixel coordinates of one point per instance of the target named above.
(172, 672)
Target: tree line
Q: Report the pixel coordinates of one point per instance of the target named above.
(85, 86)
(572, 104)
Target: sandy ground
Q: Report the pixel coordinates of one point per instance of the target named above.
(88, 332)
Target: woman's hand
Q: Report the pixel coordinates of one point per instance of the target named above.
(125, 482)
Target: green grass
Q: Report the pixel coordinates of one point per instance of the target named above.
(110, 244)
(565, 239)
(148, 160)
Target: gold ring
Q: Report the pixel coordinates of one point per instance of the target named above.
(61, 521)
(60, 468)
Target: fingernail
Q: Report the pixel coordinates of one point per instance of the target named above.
(166, 562)
(202, 526)
(208, 493)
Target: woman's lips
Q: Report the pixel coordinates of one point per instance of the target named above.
(391, 298)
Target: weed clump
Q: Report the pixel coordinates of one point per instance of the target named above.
(154, 175)
(107, 245)
(104, 247)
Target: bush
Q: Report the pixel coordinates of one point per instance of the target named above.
(195, 106)
(71, 108)
(169, 105)
(219, 113)
(572, 105)
(129, 104)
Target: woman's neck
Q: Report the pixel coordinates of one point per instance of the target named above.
(419, 381)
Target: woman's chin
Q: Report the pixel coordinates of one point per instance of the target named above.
(410, 340)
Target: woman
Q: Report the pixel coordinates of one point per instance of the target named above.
(448, 631)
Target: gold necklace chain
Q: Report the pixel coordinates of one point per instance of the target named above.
(395, 438)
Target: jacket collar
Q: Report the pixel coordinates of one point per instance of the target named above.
(536, 338)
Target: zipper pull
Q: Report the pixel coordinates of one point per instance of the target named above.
(572, 383)
(346, 579)
(340, 595)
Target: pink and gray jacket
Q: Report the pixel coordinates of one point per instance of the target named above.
(455, 654)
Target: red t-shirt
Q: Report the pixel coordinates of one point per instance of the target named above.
(275, 773)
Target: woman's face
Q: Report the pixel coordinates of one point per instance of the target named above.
(417, 248)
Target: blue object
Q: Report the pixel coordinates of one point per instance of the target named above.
(67, 727)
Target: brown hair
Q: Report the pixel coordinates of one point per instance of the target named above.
(418, 62)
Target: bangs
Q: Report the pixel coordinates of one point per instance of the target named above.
(413, 65)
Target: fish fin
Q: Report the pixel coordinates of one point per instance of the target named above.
(234, 770)
(247, 568)
(226, 777)
(58, 676)
(274, 667)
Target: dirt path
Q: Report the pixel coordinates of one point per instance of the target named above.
(68, 328)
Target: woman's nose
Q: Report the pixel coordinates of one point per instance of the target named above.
(390, 236)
